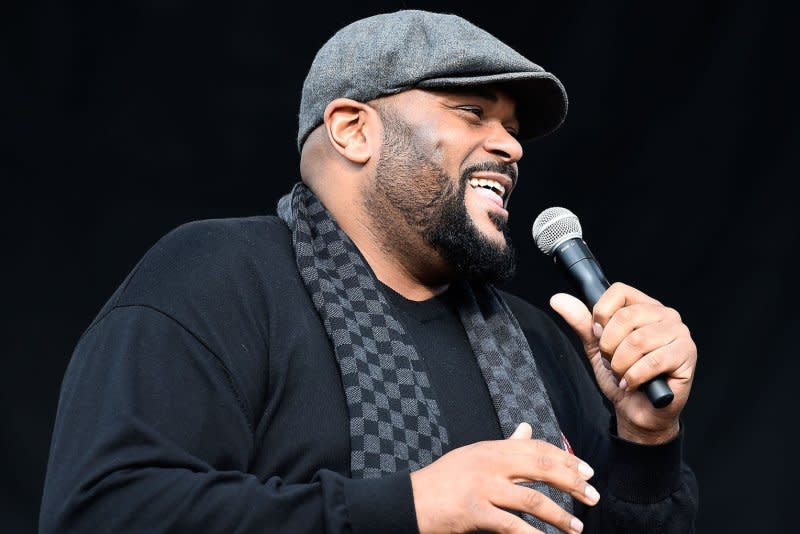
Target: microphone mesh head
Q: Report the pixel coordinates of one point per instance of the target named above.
(554, 226)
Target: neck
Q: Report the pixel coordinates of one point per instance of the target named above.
(400, 279)
(411, 274)
(398, 256)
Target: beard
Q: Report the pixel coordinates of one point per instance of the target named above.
(432, 203)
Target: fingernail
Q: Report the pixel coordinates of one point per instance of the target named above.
(606, 363)
(592, 493)
(576, 524)
(623, 384)
(585, 470)
(597, 328)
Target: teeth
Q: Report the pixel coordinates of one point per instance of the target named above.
(492, 184)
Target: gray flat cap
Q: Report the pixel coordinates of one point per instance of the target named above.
(389, 53)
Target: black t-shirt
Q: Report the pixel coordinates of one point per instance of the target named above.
(442, 344)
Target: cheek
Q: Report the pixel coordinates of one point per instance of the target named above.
(447, 144)
(430, 144)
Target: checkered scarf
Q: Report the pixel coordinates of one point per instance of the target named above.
(395, 422)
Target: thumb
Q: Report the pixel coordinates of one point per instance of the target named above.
(577, 316)
(523, 431)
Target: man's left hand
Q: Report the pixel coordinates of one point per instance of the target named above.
(629, 339)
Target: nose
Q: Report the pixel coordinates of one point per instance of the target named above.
(501, 143)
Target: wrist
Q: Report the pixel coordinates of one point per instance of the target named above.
(644, 473)
(646, 436)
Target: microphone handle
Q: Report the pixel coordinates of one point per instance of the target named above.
(582, 269)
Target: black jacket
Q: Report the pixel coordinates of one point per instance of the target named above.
(205, 397)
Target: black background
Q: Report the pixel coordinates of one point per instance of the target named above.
(122, 120)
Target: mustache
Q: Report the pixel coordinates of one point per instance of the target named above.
(491, 166)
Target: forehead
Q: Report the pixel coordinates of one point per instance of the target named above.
(489, 92)
(492, 93)
(494, 98)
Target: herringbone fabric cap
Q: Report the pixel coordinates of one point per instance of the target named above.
(393, 52)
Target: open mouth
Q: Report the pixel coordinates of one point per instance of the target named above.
(490, 185)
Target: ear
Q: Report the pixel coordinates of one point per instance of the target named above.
(352, 129)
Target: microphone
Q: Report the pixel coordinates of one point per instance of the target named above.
(557, 232)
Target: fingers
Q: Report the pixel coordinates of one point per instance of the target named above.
(524, 499)
(639, 330)
(618, 296)
(497, 520)
(641, 339)
(629, 319)
(462, 490)
(523, 431)
(577, 316)
(536, 460)
(639, 335)
(669, 358)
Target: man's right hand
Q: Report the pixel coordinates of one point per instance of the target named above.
(470, 488)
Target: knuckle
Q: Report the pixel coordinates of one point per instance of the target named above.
(686, 332)
(673, 314)
(544, 462)
(571, 461)
(624, 316)
(564, 520)
(618, 367)
(618, 286)
(600, 316)
(606, 346)
(692, 347)
(508, 523)
(601, 311)
(635, 340)
(654, 360)
(532, 500)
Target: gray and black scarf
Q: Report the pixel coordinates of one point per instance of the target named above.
(395, 423)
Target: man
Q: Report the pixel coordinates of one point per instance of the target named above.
(349, 366)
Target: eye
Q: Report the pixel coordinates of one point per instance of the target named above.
(475, 110)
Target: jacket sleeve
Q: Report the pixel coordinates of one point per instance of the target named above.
(643, 488)
(649, 489)
(153, 435)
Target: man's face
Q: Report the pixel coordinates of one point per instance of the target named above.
(447, 167)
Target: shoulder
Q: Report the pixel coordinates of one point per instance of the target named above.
(205, 247)
(221, 280)
(205, 266)
(203, 243)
